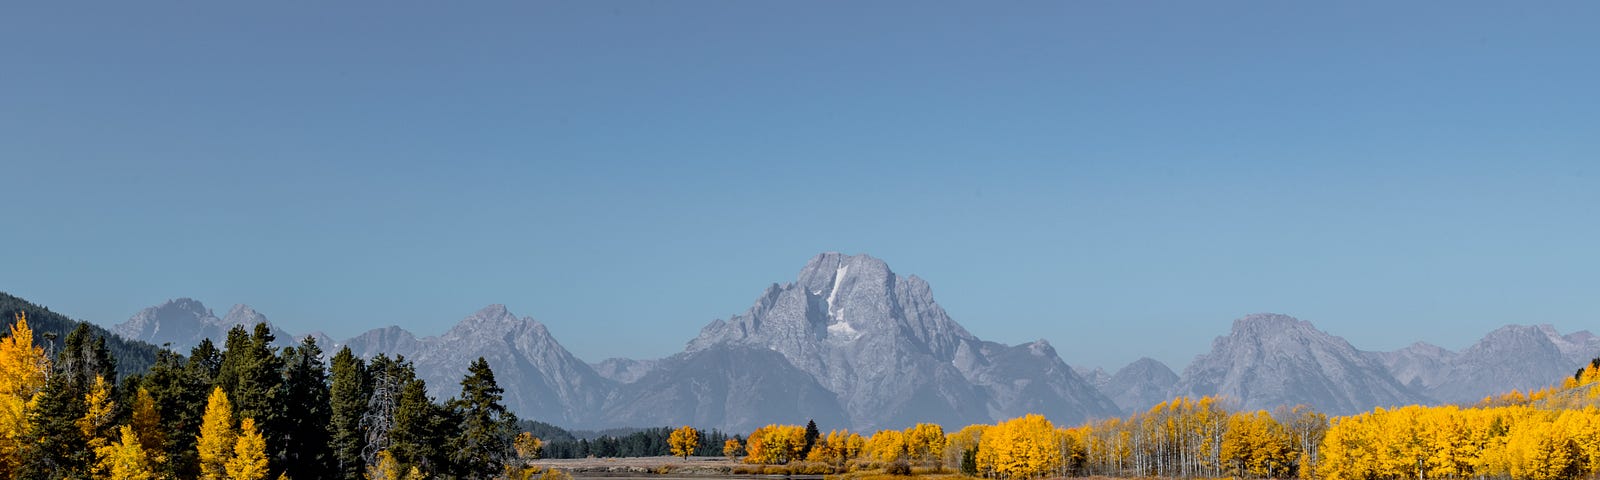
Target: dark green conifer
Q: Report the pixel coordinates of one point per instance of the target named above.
(349, 394)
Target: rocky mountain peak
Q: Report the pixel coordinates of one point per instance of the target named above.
(242, 314)
(1269, 360)
(1257, 324)
(1140, 385)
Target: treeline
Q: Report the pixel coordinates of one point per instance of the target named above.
(244, 411)
(1546, 435)
(649, 442)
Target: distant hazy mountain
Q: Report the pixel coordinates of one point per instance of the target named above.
(1140, 385)
(542, 380)
(1273, 360)
(1523, 357)
(624, 370)
(1420, 367)
(184, 322)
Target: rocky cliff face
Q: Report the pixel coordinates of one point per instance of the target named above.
(1273, 360)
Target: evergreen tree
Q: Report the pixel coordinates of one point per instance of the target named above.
(811, 437)
(306, 425)
(484, 443)
(349, 393)
(179, 390)
(252, 376)
(422, 429)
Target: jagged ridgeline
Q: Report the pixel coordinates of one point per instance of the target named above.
(51, 329)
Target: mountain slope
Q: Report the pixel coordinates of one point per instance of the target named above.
(1271, 360)
(733, 387)
(132, 356)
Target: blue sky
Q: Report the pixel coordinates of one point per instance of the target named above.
(1120, 178)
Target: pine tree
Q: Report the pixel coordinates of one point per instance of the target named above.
(216, 441)
(811, 437)
(483, 444)
(307, 422)
(349, 391)
(179, 391)
(249, 460)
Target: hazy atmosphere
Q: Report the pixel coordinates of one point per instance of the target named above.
(1120, 180)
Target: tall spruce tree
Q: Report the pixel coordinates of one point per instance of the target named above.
(422, 429)
(307, 434)
(483, 444)
(349, 392)
(252, 376)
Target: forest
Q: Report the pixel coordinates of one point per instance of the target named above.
(247, 411)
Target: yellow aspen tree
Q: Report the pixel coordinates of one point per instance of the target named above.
(146, 423)
(684, 441)
(216, 441)
(249, 460)
(887, 446)
(925, 443)
(732, 448)
(23, 367)
(830, 448)
(386, 467)
(755, 448)
(125, 459)
(854, 446)
(97, 416)
(1023, 447)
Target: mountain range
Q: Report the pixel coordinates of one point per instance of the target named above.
(852, 343)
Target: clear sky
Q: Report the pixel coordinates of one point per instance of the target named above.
(1120, 178)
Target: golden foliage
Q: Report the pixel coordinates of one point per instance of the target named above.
(23, 367)
(683, 441)
(775, 444)
(386, 467)
(886, 446)
(732, 448)
(249, 460)
(925, 443)
(1023, 447)
(125, 459)
(216, 441)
